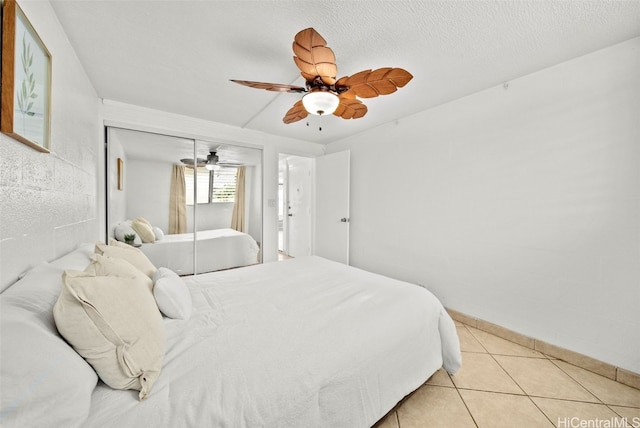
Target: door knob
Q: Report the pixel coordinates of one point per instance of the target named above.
(344, 220)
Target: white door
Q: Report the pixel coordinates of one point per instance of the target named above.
(298, 211)
(332, 207)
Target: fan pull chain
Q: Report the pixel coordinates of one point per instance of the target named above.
(320, 123)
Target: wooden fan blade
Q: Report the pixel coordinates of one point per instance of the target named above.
(350, 108)
(370, 84)
(295, 113)
(313, 57)
(276, 87)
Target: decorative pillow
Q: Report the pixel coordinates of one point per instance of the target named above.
(144, 231)
(145, 221)
(158, 232)
(172, 294)
(123, 228)
(114, 323)
(120, 250)
(107, 266)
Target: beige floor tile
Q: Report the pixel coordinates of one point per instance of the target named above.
(632, 414)
(434, 406)
(541, 378)
(440, 378)
(491, 410)
(389, 421)
(497, 345)
(571, 413)
(607, 390)
(468, 342)
(481, 372)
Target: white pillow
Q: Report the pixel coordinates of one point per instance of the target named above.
(38, 366)
(158, 232)
(77, 259)
(114, 323)
(123, 228)
(172, 294)
(120, 250)
(144, 231)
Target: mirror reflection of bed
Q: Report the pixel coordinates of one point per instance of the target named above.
(194, 206)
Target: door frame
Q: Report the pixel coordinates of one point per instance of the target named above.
(284, 203)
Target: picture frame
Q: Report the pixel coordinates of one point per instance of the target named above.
(25, 82)
(120, 173)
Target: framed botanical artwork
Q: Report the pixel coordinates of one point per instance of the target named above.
(26, 80)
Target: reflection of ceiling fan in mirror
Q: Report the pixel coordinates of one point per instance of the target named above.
(324, 93)
(211, 162)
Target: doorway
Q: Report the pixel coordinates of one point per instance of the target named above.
(295, 204)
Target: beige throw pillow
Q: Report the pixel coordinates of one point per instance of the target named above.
(144, 231)
(107, 266)
(114, 323)
(120, 250)
(144, 220)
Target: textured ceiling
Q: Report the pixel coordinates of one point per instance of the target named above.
(178, 56)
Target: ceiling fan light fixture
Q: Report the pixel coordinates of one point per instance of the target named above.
(320, 102)
(211, 166)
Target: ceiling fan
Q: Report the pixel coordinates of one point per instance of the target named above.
(211, 162)
(324, 94)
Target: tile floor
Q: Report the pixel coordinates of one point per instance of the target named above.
(502, 384)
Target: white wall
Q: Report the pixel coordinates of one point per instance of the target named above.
(145, 119)
(519, 206)
(147, 186)
(48, 201)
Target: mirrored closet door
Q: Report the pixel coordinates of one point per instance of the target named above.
(194, 206)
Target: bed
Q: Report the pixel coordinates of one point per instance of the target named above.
(303, 342)
(217, 249)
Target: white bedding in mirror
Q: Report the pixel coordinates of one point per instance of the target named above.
(216, 249)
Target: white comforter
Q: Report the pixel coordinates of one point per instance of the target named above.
(300, 343)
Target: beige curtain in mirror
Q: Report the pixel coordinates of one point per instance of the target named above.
(177, 202)
(237, 218)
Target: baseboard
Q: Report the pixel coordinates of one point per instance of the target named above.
(610, 371)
